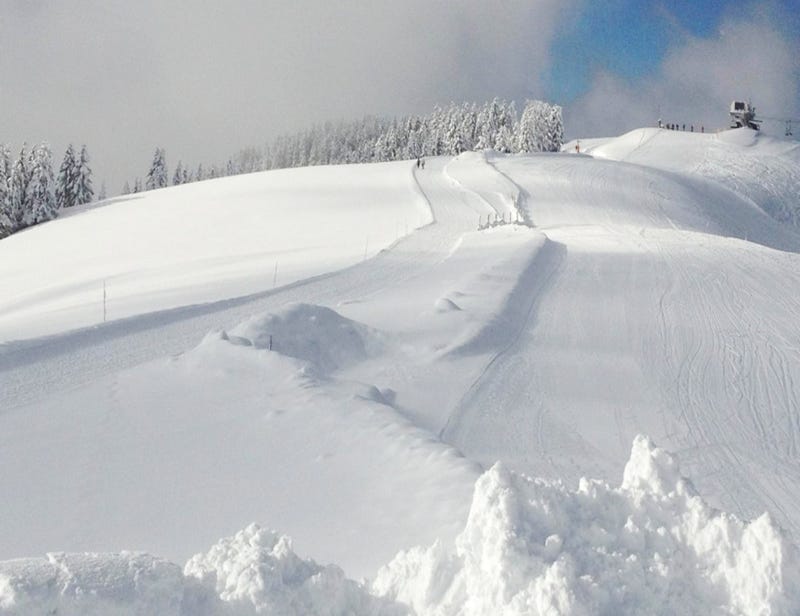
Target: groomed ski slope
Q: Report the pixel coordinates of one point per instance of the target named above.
(650, 296)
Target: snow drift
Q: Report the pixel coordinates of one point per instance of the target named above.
(312, 333)
(530, 546)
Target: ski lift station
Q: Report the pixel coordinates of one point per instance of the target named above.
(743, 114)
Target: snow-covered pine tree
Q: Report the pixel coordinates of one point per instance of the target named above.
(469, 118)
(67, 177)
(555, 132)
(157, 177)
(5, 194)
(126, 188)
(178, 177)
(84, 193)
(533, 127)
(454, 143)
(103, 195)
(506, 120)
(19, 210)
(137, 185)
(41, 189)
(490, 119)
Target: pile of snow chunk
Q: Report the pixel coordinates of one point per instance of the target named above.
(530, 546)
(315, 334)
(256, 571)
(651, 546)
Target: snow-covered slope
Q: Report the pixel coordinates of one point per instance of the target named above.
(200, 242)
(759, 168)
(657, 292)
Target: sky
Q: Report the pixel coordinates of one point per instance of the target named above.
(205, 79)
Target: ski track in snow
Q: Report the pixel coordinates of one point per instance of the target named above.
(653, 321)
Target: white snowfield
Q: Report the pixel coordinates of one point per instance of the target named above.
(201, 242)
(357, 406)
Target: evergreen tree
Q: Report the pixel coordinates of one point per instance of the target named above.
(555, 129)
(5, 193)
(103, 195)
(41, 190)
(137, 185)
(19, 187)
(178, 177)
(540, 128)
(67, 178)
(84, 193)
(157, 177)
(126, 188)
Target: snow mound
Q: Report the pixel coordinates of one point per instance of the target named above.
(90, 584)
(652, 545)
(315, 334)
(257, 572)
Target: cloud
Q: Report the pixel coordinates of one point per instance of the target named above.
(747, 59)
(204, 79)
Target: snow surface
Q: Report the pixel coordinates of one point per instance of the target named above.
(658, 292)
(201, 242)
(529, 546)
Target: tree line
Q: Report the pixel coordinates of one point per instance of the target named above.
(447, 130)
(31, 193)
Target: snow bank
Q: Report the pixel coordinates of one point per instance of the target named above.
(312, 333)
(254, 572)
(91, 584)
(532, 546)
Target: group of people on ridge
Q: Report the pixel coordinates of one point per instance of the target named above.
(679, 126)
